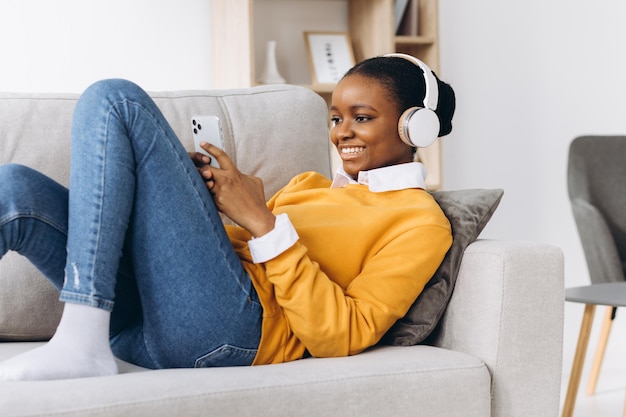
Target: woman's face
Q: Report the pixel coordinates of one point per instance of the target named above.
(365, 126)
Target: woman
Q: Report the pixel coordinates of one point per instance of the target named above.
(149, 274)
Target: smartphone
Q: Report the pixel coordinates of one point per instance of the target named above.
(207, 128)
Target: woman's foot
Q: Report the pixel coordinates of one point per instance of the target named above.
(56, 361)
(80, 348)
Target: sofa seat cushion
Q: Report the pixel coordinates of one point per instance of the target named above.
(387, 380)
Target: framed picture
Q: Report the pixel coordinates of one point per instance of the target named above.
(330, 55)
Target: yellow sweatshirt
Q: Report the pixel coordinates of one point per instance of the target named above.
(361, 261)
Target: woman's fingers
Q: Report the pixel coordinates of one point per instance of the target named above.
(199, 159)
(220, 156)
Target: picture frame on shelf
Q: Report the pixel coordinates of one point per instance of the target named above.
(330, 55)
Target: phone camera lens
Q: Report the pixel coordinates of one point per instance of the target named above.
(199, 126)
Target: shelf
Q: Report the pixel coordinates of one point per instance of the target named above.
(318, 88)
(322, 88)
(242, 28)
(414, 40)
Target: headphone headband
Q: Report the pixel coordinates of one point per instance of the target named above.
(431, 98)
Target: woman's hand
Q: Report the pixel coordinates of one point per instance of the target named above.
(199, 159)
(237, 195)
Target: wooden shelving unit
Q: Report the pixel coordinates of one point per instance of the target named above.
(240, 29)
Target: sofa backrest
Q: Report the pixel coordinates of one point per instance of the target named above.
(273, 132)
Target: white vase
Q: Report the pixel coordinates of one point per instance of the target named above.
(270, 74)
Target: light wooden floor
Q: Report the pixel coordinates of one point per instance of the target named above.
(611, 389)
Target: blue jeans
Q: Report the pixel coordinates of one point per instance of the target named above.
(138, 234)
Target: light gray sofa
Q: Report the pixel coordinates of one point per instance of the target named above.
(496, 352)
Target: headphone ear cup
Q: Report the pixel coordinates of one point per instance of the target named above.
(418, 127)
(402, 128)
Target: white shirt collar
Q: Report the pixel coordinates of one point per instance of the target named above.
(391, 178)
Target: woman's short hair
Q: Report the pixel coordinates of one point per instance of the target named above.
(405, 84)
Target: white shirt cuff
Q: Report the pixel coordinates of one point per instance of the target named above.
(275, 242)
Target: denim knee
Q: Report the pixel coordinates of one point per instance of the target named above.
(14, 180)
(115, 89)
(33, 219)
(25, 190)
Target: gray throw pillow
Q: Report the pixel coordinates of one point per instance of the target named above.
(468, 212)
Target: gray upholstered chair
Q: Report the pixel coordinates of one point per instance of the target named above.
(597, 190)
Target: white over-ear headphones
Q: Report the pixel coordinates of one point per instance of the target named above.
(419, 126)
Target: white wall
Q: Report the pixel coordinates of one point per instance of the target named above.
(530, 76)
(65, 45)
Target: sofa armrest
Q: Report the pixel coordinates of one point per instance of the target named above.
(507, 310)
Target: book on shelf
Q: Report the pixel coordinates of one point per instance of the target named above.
(398, 12)
(407, 17)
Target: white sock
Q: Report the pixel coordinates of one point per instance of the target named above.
(79, 348)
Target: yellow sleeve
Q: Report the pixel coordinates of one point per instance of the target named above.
(332, 322)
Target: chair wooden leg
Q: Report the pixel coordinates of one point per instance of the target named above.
(579, 360)
(600, 350)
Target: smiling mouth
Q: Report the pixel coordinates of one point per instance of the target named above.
(352, 150)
